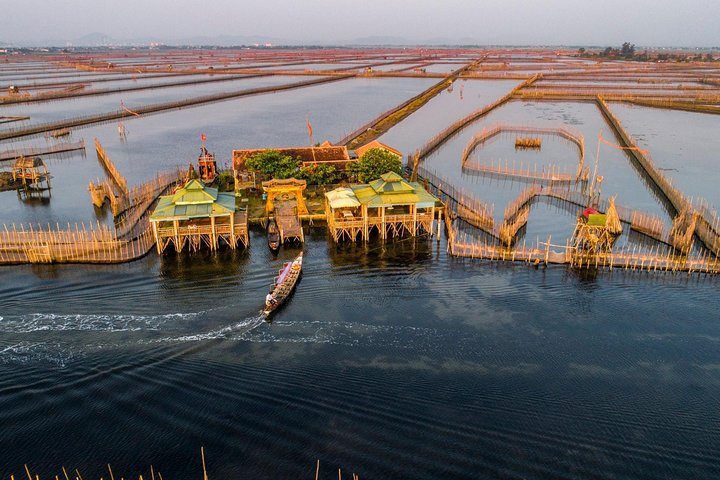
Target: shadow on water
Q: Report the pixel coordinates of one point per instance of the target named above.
(378, 255)
(35, 199)
(204, 264)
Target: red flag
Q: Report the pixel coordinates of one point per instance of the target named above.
(203, 137)
(309, 129)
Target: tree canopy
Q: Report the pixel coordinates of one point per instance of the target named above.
(374, 163)
(627, 50)
(274, 164)
(319, 174)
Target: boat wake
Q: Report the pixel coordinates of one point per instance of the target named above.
(49, 322)
(33, 352)
(234, 331)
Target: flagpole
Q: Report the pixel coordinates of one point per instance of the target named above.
(309, 127)
(312, 147)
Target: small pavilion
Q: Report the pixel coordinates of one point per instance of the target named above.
(32, 172)
(196, 215)
(390, 205)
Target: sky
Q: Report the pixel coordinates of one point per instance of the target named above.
(682, 23)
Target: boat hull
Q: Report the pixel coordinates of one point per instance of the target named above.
(284, 284)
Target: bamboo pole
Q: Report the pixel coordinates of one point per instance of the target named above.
(202, 454)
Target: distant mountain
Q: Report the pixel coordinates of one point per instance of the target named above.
(95, 39)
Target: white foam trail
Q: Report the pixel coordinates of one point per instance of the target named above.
(10, 348)
(25, 352)
(94, 322)
(241, 328)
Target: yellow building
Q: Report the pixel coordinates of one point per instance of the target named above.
(196, 215)
(390, 205)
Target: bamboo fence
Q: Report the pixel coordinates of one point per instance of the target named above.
(111, 170)
(707, 225)
(60, 147)
(132, 237)
(76, 243)
(444, 135)
(462, 244)
(481, 137)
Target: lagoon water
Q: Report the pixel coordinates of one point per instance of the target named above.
(391, 360)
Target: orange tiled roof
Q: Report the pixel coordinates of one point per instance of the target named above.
(376, 144)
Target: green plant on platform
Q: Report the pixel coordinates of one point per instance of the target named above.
(225, 181)
(273, 164)
(374, 163)
(319, 174)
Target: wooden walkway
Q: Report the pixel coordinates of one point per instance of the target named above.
(288, 222)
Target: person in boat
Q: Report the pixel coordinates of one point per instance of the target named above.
(270, 299)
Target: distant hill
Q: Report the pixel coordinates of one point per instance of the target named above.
(95, 39)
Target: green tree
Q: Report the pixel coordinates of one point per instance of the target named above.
(225, 181)
(627, 50)
(319, 174)
(374, 163)
(273, 164)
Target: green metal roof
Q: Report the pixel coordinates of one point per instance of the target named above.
(194, 200)
(391, 189)
(194, 192)
(391, 182)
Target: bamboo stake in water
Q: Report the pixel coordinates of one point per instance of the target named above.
(202, 454)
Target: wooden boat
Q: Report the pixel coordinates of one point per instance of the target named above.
(273, 235)
(63, 132)
(284, 284)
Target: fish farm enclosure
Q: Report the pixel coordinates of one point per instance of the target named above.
(546, 309)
